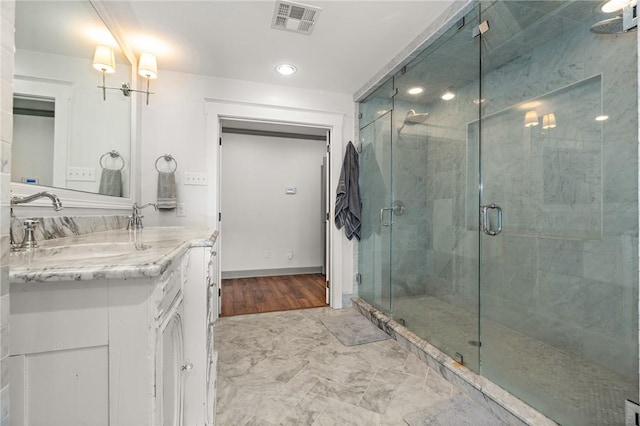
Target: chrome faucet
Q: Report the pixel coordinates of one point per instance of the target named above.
(57, 204)
(29, 240)
(135, 220)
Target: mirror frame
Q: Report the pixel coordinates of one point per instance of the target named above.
(87, 200)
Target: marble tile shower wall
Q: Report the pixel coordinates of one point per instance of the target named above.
(408, 267)
(565, 271)
(7, 20)
(571, 280)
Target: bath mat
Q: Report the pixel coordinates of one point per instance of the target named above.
(354, 329)
(459, 410)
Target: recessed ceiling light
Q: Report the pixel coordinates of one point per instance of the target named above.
(449, 94)
(286, 69)
(415, 90)
(602, 117)
(479, 101)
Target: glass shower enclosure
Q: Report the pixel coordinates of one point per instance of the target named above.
(499, 184)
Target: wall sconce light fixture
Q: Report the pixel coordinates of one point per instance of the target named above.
(104, 61)
(531, 119)
(148, 68)
(549, 121)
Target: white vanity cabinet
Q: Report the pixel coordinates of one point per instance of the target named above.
(129, 351)
(201, 312)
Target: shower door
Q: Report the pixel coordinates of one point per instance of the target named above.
(434, 240)
(559, 208)
(374, 249)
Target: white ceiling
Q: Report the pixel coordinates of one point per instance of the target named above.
(352, 40)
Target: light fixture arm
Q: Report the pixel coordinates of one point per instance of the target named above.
(125, 89)
(104, 86)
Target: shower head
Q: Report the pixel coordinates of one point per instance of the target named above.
(608, 26)
(412, 118)
(625, 22)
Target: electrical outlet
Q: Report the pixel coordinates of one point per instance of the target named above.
(289, 254)
(87, 174)
(181, 210)
(193, 178)
(267, 253)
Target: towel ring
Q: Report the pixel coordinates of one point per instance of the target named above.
(112, 154)
(167, 157)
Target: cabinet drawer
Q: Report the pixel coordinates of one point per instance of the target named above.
(65, 315)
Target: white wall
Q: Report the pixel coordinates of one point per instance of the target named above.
(32, 149)
(260, 221)
(176, 122)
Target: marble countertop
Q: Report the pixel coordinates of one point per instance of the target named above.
(112, 254)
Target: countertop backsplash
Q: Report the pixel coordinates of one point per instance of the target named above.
(67, 226)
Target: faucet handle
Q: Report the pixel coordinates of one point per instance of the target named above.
(30, 223)
(29, 240)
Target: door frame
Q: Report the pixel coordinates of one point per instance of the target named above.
(217, 109)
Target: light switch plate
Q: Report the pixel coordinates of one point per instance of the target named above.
(87, 174)
(193, 178)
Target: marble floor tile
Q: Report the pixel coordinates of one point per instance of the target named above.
(459, 410)
(343, 414)
(285, 368)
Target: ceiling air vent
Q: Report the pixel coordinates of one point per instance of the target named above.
(295, 17)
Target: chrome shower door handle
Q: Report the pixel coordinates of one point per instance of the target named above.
(486, 227)
(382, 222)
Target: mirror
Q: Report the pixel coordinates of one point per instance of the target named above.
(65, 134)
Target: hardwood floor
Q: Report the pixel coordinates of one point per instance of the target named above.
(242, 296)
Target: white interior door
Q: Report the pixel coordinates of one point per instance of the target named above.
(326, 163)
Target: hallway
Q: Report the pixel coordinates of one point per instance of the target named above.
(241, 296)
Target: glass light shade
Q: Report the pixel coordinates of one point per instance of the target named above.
(104, 60)
(549, 121)
(147, 66)
(531, 119)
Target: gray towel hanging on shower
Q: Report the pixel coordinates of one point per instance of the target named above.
(348, 203)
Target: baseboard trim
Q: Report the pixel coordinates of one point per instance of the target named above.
(271, 272)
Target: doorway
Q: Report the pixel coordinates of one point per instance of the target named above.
(274, 216)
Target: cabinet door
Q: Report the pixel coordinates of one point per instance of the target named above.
(169, 383)
(213, 301)
(60, 388)
(212, 365)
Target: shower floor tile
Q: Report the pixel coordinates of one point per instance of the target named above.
(286, 368)
(569, 389)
